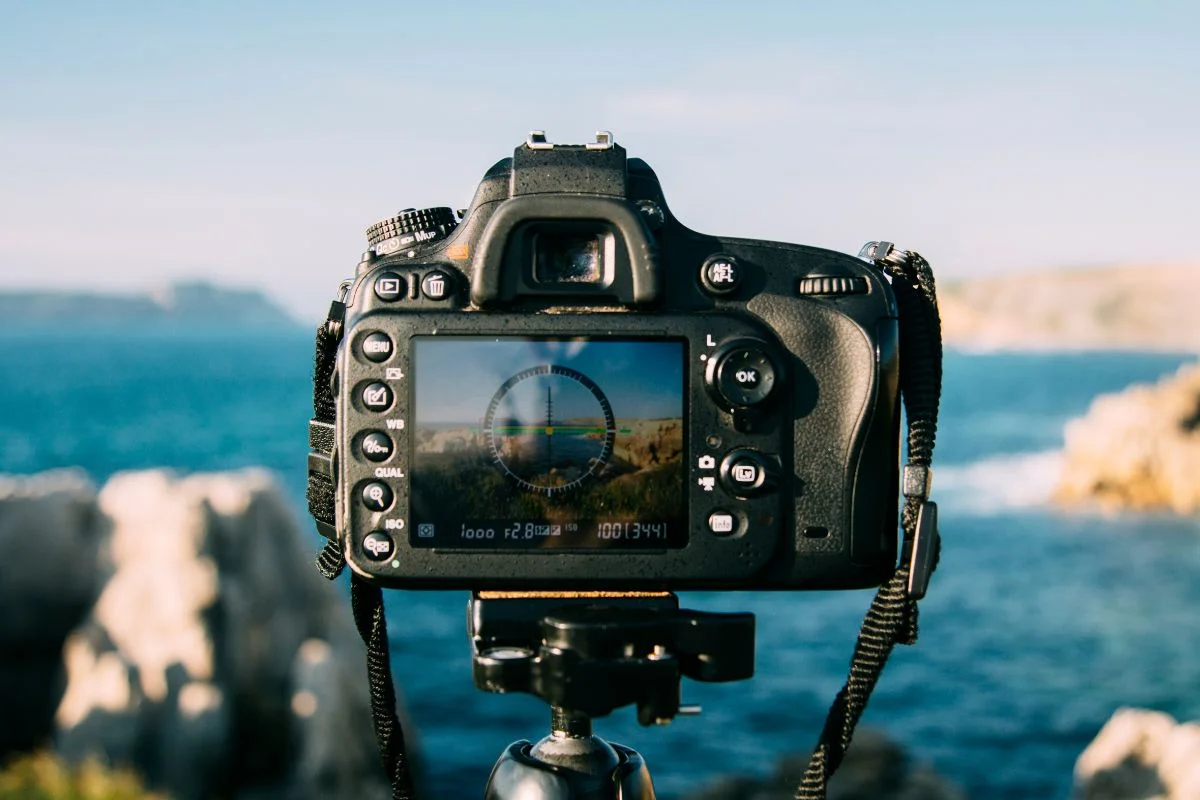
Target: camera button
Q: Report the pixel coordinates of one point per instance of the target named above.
(377, 347)
(436, 285)
(377, 396)
(390, 287)
(746, 473)
(745, 376)
(377, 496)
(378, 546)
(377, 447)
(722, 523)
(721, 274)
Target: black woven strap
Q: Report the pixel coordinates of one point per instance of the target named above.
(892, 617)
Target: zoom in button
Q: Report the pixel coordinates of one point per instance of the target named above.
(377, 496)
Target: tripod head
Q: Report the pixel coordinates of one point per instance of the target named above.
(587, 654)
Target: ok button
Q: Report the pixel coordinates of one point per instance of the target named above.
(745, 376)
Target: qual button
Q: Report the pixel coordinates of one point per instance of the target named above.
(377, 446)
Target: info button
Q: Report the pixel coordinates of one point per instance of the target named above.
(722, 523)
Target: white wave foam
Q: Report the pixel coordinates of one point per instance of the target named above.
(999, 483)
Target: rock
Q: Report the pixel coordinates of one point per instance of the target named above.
(215, 660)
(1138, 449)
(875, 768)
(50, 532)
(1140, 755)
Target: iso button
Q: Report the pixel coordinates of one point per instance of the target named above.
(745, 376)
(376, 446)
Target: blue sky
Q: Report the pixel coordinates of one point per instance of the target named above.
(456, 379)
(253, 143)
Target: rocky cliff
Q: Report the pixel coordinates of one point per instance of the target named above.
(178, 625)
(1141, 755)
(1139, 448)
(1125, 307)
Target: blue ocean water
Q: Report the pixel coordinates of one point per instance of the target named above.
(1039, 624)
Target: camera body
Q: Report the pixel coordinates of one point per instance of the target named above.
(569, 389)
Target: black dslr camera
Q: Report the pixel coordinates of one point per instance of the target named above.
(562, 387)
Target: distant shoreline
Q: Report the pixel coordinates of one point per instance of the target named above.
(180, 306)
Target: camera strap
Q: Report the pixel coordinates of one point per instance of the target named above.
(892, 617)
(890, 620)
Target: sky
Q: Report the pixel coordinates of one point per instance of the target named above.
(253, 143)
(456, 379)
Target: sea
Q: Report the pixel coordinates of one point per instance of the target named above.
(1039, 623)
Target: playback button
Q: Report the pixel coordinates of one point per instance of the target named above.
(390, 287)
(748, 473)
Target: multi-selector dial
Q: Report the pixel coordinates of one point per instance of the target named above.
(742, 374)
(411, 228)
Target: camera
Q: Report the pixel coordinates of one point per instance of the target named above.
(562, 387)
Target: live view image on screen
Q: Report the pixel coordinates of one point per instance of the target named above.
(547, 443)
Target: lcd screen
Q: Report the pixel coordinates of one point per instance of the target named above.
(538, 443)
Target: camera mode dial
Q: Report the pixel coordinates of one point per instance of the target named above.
(742, 374)
(411, 228)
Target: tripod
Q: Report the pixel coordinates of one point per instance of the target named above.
(587, 654)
